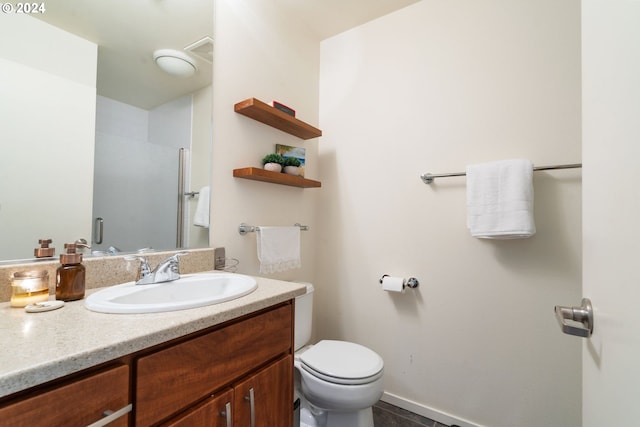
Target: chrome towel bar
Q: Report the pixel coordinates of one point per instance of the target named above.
(245, 228)
(428, 178)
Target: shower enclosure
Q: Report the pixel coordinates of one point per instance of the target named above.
(142, 167)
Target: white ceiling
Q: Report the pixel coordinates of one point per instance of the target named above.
(128, 32)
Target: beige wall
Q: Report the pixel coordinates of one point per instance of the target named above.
(432, 88)
(260, 53)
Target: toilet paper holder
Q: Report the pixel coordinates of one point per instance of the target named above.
(411, 282)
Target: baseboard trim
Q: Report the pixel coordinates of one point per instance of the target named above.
(425, 411)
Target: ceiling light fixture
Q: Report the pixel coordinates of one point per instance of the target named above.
(175, 62)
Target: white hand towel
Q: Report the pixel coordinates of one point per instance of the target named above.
(201, 217)
(500, 200)
(278, 248)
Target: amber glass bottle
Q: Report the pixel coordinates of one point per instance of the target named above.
(70, 275)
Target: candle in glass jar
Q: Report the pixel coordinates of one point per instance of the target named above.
(29, 287)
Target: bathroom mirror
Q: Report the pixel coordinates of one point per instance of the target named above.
(81, 154)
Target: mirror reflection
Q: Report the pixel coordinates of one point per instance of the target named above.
(95, 134)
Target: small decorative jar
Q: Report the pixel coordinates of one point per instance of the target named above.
(29, 287)
(292, 170)
(273, 167)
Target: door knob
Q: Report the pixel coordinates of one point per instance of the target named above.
(582, 314)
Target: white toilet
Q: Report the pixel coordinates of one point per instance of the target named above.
(337, 381)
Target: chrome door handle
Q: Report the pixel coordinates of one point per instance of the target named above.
(252, 401)
(582, 314)
(98, 230)
(227, 413)
(110, 416)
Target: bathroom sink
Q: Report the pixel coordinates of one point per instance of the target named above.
(190, 291)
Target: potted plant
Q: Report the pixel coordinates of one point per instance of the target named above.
(272, 162)
(292, 166)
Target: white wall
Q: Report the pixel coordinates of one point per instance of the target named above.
(47, 116)
(260, 53)
(432, 88)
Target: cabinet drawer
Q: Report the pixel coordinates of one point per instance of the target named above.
(77, 403)
(172, 379)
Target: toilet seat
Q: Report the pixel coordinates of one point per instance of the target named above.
(342, 362)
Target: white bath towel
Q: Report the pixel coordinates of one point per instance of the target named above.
(278, 248)
(201, 217)
(500, 200)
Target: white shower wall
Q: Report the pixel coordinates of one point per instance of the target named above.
(137, 166)
(431, 88)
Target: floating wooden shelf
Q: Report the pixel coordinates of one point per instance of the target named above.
(273, 117)
(258, 174)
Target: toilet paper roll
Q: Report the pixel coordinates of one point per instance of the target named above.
(393, 284)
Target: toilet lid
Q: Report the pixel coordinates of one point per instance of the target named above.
(341, 360)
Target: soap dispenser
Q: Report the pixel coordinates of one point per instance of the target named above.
(70, 275)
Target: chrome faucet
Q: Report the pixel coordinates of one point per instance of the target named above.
(167, 271)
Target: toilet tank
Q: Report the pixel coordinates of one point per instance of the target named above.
(303, 317)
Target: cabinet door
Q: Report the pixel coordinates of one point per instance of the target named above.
(170, 380)
(265, 399)
(75, 403)
(213, 412)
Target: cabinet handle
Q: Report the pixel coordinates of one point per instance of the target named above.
(227, 413)
(110, 416)
(252, 401)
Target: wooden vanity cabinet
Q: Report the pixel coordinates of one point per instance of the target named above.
(79, 402)
(214, 378)
(250, 357)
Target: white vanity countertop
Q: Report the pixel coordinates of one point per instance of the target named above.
(39, 347)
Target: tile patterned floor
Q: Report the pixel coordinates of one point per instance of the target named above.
(387, 415)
